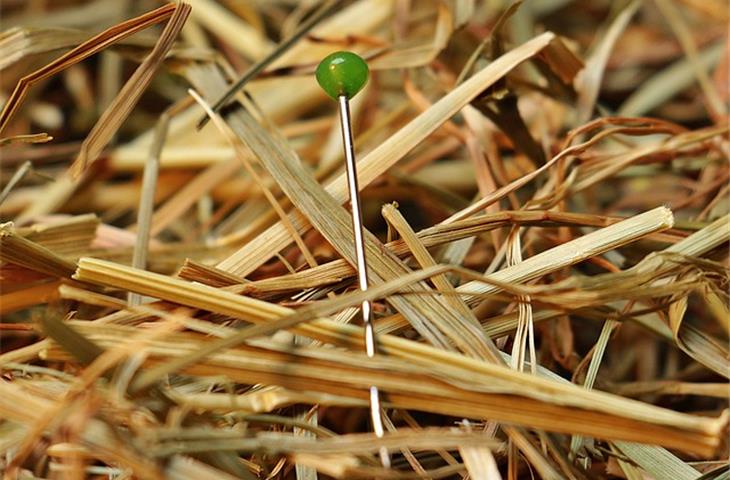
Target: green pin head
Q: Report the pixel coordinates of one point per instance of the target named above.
(342, 73)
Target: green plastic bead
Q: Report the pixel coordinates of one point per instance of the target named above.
(342, 73)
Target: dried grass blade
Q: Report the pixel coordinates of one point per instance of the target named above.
(423, 257)
(697, 244)
(354, 443)
(417, 56)
(674, 18)
(578, 250)
(27, 297)
(147, 198)
(479, 461)
(242, 36)
(707, 350)
(524, 339)
(658, 462)
(67, 237)
(181, 467)
(21, 251)
(670, 387)
(265, 400)
(17, 43)
(131, 92)
(15, 179)
(77, 294)
(79, 346)
(668, 82)
(29, 138)
(589, 81)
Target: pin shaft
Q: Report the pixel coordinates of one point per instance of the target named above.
(362, 273)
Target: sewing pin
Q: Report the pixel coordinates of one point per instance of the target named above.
(342, 75)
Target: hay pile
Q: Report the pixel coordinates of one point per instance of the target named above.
(546, 197)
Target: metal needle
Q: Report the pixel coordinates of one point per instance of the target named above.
(362, 273)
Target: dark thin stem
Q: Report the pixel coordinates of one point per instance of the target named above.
(325, 9)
